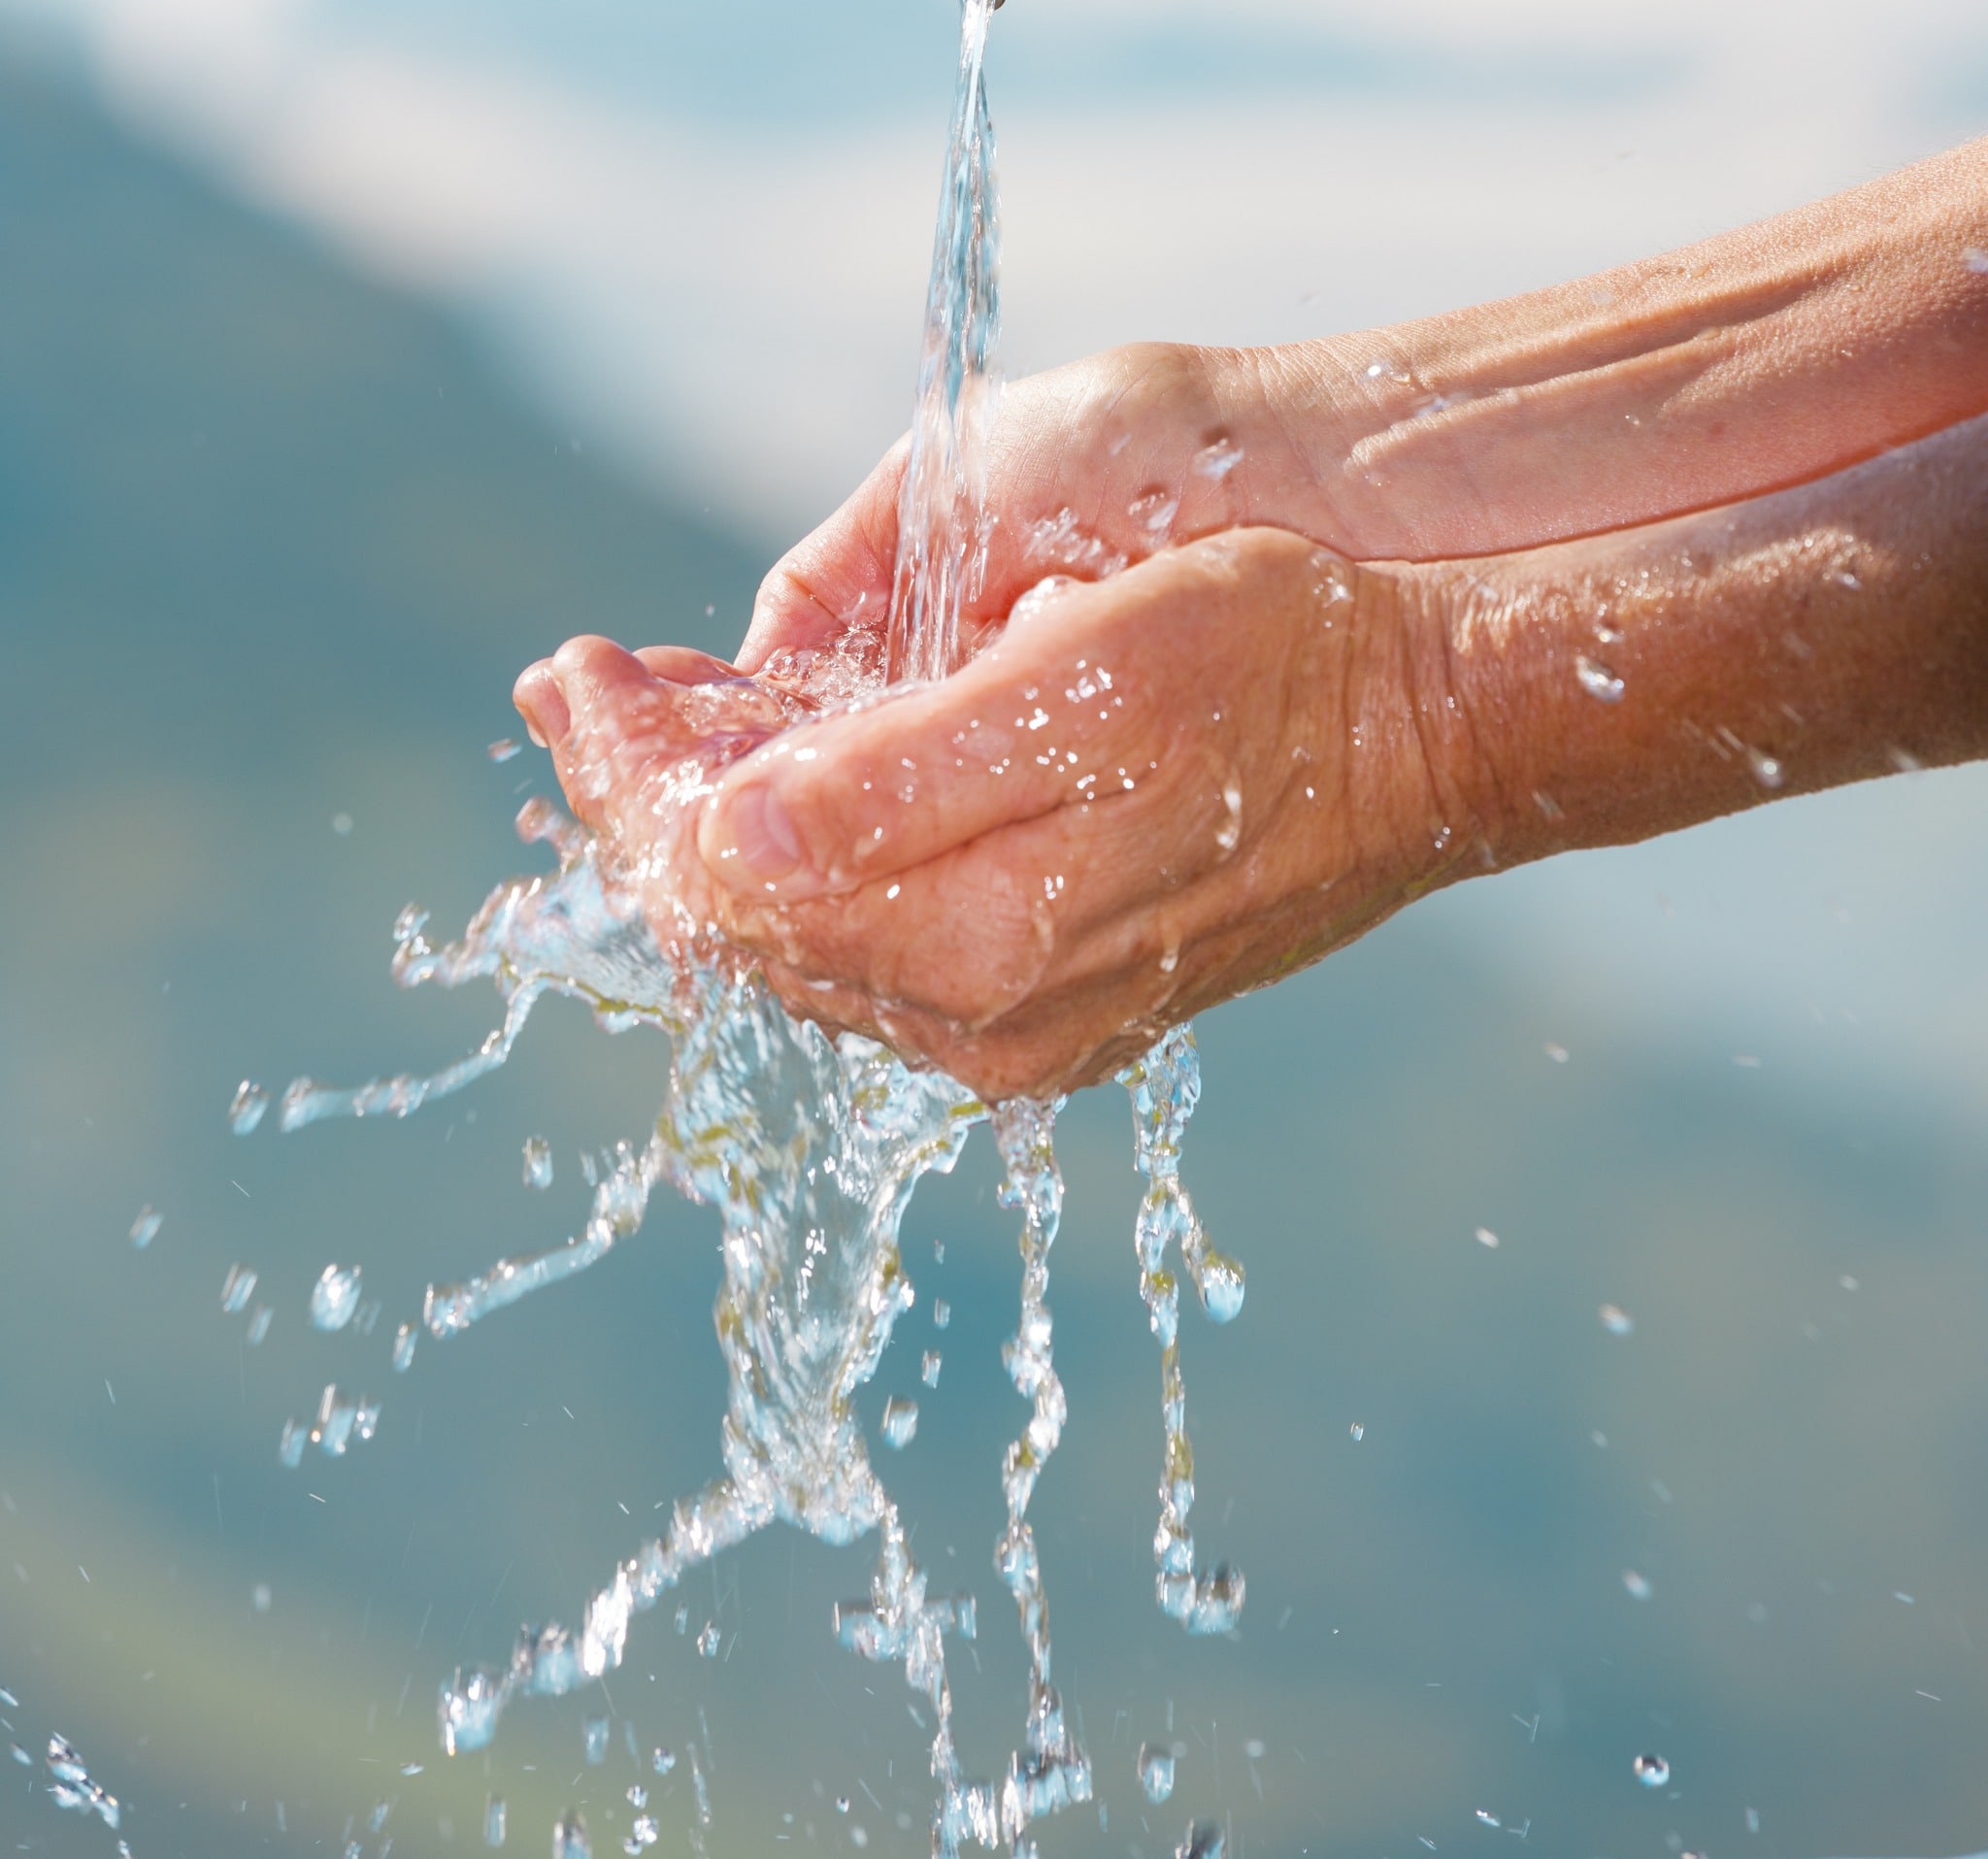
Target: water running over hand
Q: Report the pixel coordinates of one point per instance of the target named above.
(809, 1149)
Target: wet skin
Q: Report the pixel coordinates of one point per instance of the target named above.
(1150, 792)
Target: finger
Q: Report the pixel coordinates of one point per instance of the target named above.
(1075, 710)
(682, 665)
(836, 579)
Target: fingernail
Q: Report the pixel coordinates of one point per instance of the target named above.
(762, 844)
(543, 705)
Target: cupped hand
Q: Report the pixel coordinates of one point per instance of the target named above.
(1148, 795)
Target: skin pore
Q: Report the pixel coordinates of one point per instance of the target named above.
(1565, 572)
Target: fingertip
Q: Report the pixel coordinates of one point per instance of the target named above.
(541, 701)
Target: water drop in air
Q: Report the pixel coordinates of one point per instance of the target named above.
(1156, 1772)
(594, 1737)
(404, 1340)
(568, 1837)
(245, 1108)
(638, 1796)
(1358, 1430)
(842, 1804)
(900, 1422)
(1598, 680)
(942, 1314)
(1653, 1772)
(928, 1369)
(708, 1641)
(1767, 770)
(504, 748)
(145, 1228)
(237, 1288)
(1485, 1817)
(1638, 1586)
(663, 1761)
(538, 1162)
(258, 1325)
(1616, 1320)
(335, 1297)
(493, 1821)
(262, 1600)
(1203, 1841)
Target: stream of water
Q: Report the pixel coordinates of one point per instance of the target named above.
(809, 1149)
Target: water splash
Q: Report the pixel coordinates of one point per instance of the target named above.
(809, 1149)
(71, 1786)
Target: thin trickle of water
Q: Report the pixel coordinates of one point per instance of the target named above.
(493, 1821)
(940, 532)
(1165, 1088)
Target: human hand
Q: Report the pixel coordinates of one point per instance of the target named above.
(1309, 744)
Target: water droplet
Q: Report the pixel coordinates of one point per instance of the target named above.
(493, 1821)
(594, 1734)
(246, 1107)
(335, 1297)
(663, 1761)
(1358, 1430)
(504, 748)
(1598, 680)
(1170, 957)
(1976, 259)
(1555, 1051)
(1767, 770)
(683, 1621)
(638, 1796)
(1487, 1238)
(410, 1770)
(1255, 1748)
(1616, 1320)
(538, 1162)
(1752, 1819)
(1203, 1841)
(900, 1422)
(842, 1804)
(404, 1340)
(708, 1641)
(1638, 1585)
(1154, 512)
(1217, 460)
(237, 1288)
(1653, 1772)
(1486, 1817)
(145, 1228)
(928, 1369)
(569, 1837)
(642, 1836)
(258, 1325)
(942, 1314)
(342, 825)
(1156, 1772)
(261, 1600)
(1230, 833)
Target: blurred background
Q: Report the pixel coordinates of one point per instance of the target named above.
(353, 353)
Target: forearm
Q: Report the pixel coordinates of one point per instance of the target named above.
(1618, 688)
(1764, 358)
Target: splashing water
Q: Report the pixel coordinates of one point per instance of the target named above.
(69, 1785)
(809, 1149)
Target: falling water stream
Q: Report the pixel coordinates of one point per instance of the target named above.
(809, 1149)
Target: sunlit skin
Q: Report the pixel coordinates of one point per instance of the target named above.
(1314, 696)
